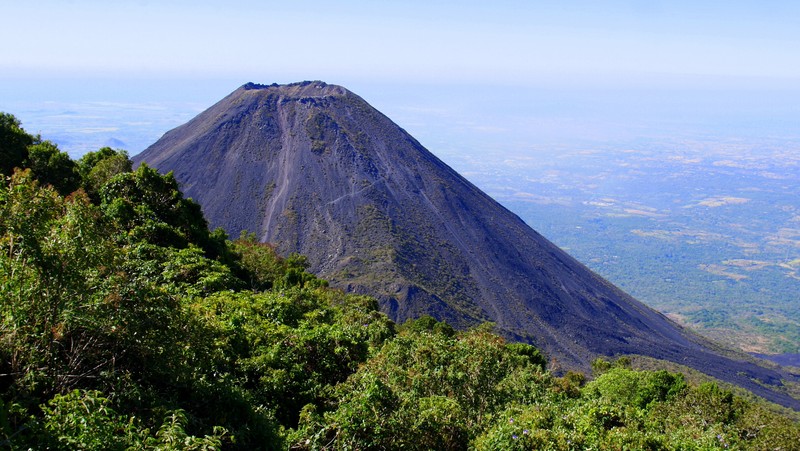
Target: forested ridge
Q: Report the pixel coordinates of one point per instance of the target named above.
(126, 324)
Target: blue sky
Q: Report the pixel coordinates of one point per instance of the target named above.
(434, 41)
(456, 74)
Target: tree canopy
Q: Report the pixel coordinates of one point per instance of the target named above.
(126, 324)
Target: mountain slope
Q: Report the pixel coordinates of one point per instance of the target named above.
(316, 170)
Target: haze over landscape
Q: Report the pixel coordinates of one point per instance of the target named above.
(509, 74)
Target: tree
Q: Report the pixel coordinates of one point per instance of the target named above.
(151, 208)
(14, 144)
(50, 165)
(96, 168)
(54, 254)
(53, 167)
(426, 389)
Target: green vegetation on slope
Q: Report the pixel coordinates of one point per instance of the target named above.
(126, 324)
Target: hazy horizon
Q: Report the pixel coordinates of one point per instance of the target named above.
(83, 115)
(542, 72)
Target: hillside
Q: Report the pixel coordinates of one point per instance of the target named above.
(314, 169)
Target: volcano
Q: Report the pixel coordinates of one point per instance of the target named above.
(314, 169)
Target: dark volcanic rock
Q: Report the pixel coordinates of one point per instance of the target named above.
(316, 170)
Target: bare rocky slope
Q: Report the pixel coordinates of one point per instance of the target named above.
(314, 169)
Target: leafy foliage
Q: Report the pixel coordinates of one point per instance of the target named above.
(14, 144)
(126, 324)
(49, 165)
(85, 420)
(152, 209)
(427, 390)
(263, 269)
(289, 349)
(53, 167)
(96, 168)
(54, 258)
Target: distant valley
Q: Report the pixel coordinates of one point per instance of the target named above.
(708, 233)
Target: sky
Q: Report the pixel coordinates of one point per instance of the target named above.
(413, 41)
(515, 73)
